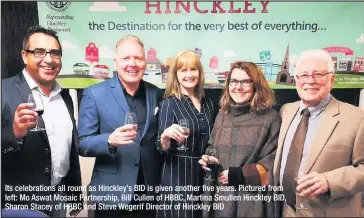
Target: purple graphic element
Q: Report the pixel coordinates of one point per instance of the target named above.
(199, 52)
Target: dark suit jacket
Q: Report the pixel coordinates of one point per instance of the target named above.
(30, 163)
(103, 108)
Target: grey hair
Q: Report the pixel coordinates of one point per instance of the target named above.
(319, 54)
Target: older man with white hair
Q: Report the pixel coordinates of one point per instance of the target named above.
(320, 156)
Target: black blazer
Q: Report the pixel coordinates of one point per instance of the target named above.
(30, 163)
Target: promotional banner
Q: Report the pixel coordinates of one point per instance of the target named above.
(270, 34)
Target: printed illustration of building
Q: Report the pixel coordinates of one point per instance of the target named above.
(284, 77)
(100, 70)
(153, 67)
(358, 65)
(268, 70)
(334, 59)
(345, 64)
(81, 69)
(165, 69)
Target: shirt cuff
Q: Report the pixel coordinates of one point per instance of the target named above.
(235, 176)
(20, 140)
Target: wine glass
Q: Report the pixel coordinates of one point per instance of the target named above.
(131, 118)
(296, 176)
(211, 151)
(184, 124)
(36, 100)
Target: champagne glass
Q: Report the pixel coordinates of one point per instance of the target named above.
(36, 100)
(210, 175)
(297, 175)
(131, 118)
(184, 124)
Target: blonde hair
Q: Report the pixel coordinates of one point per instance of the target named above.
(185, 59)
(132, 37)
(263, 97)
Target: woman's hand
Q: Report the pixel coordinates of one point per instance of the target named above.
(206, 159)
(173, 132)
(224, 177)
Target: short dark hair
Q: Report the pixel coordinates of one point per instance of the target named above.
(39, 29)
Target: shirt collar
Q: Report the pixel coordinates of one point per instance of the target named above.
(139, 92)
(317, 108)
(33, 85)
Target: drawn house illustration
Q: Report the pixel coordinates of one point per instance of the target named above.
(358, 65)
(334, 59)
(81, 69)
(101, 70)
(165, 69)
(345, 64)
(153, 63)
(284, 77)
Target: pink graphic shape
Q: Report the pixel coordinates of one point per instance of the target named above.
(214, 62)
(152, 55)
(92, 53)
(347, 51)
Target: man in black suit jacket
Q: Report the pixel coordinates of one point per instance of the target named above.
(39, 163)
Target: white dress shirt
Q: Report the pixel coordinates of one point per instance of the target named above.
(58, 125)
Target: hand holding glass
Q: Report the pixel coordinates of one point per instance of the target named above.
(184, 124)
(211, 151)
(36, 100)
(131, 119)
(297, 175)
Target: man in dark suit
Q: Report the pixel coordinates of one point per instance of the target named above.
(125, 155)
(39, 163)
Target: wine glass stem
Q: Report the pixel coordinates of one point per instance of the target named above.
(37, 123)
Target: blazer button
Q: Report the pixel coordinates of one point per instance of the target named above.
(46, 150)
(47, 170)
(136, 164)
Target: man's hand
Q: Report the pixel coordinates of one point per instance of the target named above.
(23, 119)
(224, 177)
(123, 135)
(312, 185)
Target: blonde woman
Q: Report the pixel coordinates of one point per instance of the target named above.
(245, 136)
(184, 100)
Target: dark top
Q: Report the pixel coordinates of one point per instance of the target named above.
(243, 139)
(181, 168)
(200, 123)
(30, 163)
(137, 104)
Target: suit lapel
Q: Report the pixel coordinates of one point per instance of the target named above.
(287, 119)
(24, 92)
(325, 129)
(150, 101)
(23, 87)
(69, 104)
(117, 92)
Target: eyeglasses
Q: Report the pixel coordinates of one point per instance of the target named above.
(303, 77)
(244, 82)
(41, 52)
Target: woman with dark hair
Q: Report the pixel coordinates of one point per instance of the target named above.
(245, 137)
